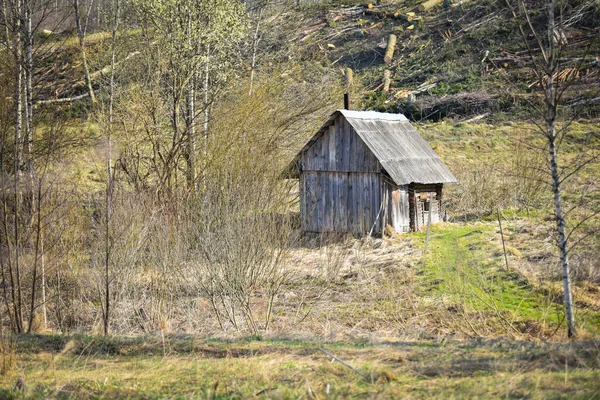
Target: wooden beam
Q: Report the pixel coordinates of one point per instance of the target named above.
(349, 79)
(387, 79)
(389, 53)
(404, 17)
(429, 4)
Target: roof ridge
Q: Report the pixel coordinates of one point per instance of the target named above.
(373, 115)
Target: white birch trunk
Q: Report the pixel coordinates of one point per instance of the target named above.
(190, 118)
(81, 37)
(18, 98)
(551, 103)
(206, 114)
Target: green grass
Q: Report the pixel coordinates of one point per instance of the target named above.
(189, 367)
(465, 268)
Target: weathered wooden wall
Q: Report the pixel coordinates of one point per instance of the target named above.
(332, 151)
(396, 212)
(340, 184)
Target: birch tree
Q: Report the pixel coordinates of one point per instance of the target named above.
(196, 37)
(81, 31)
(546, 51)
(22, 219)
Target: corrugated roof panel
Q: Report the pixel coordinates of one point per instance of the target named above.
(404, 154)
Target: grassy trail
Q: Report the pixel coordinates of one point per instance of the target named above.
(465, 270)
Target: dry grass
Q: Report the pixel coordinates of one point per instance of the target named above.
(386, 288)
(94, 367)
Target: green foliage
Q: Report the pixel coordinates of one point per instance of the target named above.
(190, 31)
(377, 101)
(470, 83)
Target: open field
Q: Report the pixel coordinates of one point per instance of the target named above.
(450, 323)
(460, 288)
(188, 367)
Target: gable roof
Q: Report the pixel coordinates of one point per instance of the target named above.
(398, 146)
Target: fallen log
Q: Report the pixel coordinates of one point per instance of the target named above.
(424, 88)
(404, 16)
(389, 53)
(377, 13)
(387, 80)
(336, 358)
(401, 94)
(106, 70)
(585, 102)
(476, 118)
(62, 100)
(429, 4)
(458, 3)
(417, 21)
(310, 29)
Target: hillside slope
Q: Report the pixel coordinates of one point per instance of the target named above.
(456, 61)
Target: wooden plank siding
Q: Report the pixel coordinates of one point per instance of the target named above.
(396, 213)
(340, 184)
(341, 202)
(340, 149)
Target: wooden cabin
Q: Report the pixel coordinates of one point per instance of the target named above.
(364, 171)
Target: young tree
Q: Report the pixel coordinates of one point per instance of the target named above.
(81, 31)
(23, 213)
(546, 63)
(195, 38)
(106, 309)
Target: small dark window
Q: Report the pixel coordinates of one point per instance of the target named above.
(426, 205)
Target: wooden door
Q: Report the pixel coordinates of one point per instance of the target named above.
(400, 210)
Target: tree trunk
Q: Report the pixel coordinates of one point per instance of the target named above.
(6, 285)
(206, 114)
(6, 25)
(551, 103)
(562, 242)
(190, 119)
(389, 53)
(18, 97)
(43, 272)
(387, 80)
(81, 37)
(191, 136)
(429, 4)
(29, 135)
(109, 182)
(38, 232)
(29, 200)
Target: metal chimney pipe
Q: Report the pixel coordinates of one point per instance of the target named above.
(347, 101)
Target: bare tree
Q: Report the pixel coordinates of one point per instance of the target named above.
(17, 162)
(81, 31)
(545, 54)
